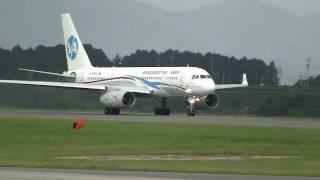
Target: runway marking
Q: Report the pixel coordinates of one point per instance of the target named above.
(173, 158)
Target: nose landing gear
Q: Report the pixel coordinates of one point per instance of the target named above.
(190, 102)
(163, 111)
(191, 112)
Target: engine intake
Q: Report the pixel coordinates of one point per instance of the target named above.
(211, 101)
(118, 99)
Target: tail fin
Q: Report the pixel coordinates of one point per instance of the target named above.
(77, 57)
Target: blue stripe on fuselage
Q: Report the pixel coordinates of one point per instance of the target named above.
(148, 83)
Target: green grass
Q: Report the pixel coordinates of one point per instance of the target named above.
(36, 143)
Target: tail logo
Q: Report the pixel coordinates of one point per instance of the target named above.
(72, 47)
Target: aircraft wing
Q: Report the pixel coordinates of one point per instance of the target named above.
(80, 86)
(133, 89)
(55, 84)
(229, 86)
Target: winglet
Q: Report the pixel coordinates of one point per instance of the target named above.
(245, 80)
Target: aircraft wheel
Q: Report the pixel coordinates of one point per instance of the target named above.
(107, 111)
(157, 111)
(162, 112)
(191, 113)
(115, 111)
(166, 112)
(111, 111)
(118, 111)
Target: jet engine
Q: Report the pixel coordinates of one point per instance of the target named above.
(211, 101)
(118, 99)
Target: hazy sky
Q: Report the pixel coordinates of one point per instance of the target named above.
(179, 5)
(298, 7)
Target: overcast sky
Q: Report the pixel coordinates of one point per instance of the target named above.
(179, 5)
(298, 7)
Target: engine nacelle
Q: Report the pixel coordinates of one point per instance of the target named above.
(118, 99)
(211, 101)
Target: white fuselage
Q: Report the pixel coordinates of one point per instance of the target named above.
(161, 81)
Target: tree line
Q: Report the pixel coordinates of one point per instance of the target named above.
(224, 69)
(310, 82)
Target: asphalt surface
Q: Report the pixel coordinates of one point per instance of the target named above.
(201, 119)
(58, 174)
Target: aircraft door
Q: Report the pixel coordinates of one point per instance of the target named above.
(81, 77)
(181, 79)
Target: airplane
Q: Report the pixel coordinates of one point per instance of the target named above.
(119, 87)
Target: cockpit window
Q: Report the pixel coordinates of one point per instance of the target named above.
(201, 77)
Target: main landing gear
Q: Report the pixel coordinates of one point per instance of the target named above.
(111, 111)
(163, 111)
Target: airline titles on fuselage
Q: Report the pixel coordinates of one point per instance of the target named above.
(160, 72)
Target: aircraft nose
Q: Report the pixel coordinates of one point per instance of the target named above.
(212, 86)
(209, 86)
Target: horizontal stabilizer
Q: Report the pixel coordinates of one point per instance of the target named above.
(47, 73)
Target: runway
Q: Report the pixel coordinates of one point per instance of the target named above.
(201, 119)
(55, 174)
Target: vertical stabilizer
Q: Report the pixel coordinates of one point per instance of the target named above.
(77, 57)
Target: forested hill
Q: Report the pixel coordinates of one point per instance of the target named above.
(223, 68)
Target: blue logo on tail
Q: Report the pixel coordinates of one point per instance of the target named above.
(72, 47)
